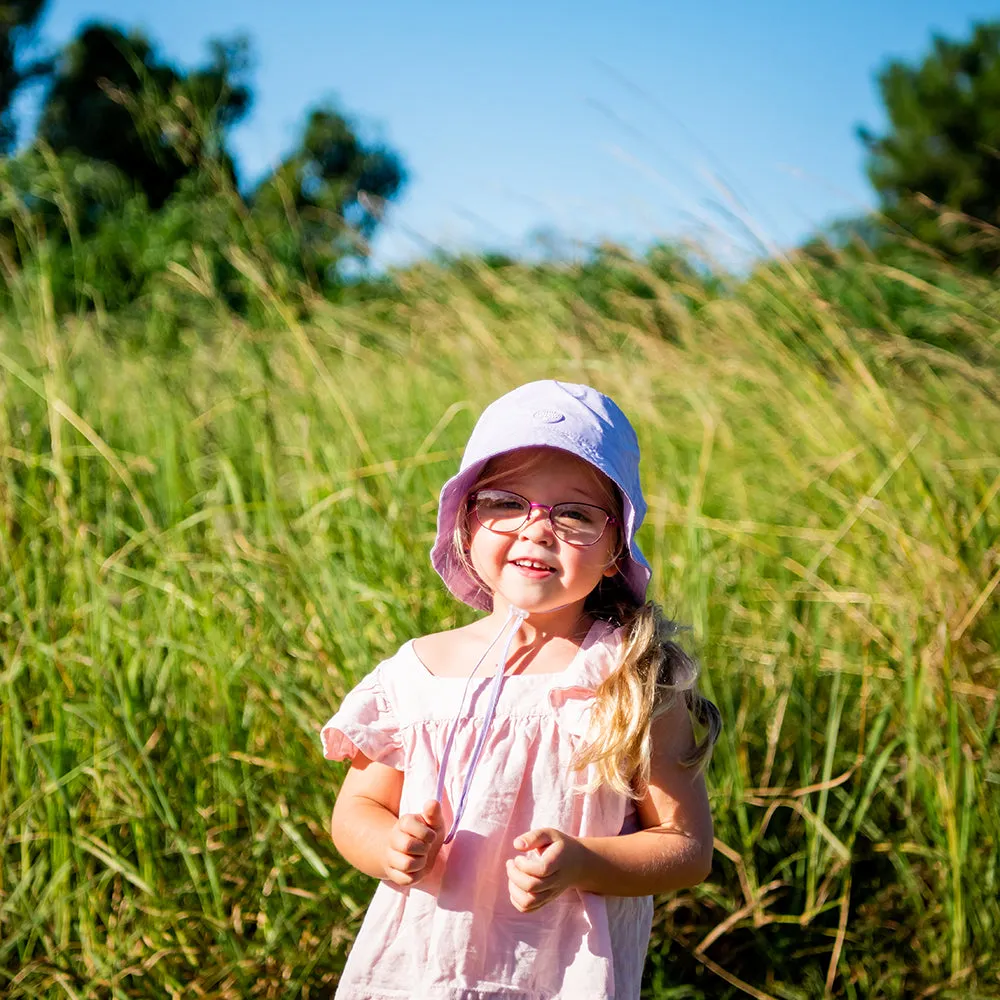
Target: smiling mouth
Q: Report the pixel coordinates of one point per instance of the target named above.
(533, 564)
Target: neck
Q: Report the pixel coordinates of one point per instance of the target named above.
(568, 622)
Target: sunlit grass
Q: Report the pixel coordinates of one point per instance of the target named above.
(201, 552)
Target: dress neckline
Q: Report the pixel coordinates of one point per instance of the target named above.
(585, 646)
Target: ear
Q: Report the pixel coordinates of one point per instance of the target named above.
(612, 570)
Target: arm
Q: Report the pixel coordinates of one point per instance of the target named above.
(674, 848)
(672, 851)
(369, 832)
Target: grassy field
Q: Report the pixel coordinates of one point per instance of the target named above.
(201, 551)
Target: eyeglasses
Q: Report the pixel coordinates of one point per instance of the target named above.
(507, 513)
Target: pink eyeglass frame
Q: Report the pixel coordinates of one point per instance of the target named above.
(611, 519)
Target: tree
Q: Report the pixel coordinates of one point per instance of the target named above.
(325, 201)
(937, 168)
(17, 21)
(113, 99)
(130, 177)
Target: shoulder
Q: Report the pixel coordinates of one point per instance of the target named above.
(384, 679)
(603, 648)
(444, 653)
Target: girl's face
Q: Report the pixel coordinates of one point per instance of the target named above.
(533, 568)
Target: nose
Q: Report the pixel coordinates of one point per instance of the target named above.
(539, 523)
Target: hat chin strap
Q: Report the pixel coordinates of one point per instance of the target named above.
(515, 616)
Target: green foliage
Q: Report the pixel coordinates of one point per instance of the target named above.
(324, 201)
(17, 21)
(937, 168)
(129, 195)
(201, 552)
(112, 100)
(897, 288)
(113, 259)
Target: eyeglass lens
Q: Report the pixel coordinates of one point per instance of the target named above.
(504, 512)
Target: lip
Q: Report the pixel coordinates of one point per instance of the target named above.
(535, 572)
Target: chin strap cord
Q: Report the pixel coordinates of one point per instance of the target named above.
(515, 616)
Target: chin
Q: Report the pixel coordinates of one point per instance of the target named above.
(537, 603)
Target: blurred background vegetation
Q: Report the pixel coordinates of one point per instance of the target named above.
(221, 439)
(129, 173)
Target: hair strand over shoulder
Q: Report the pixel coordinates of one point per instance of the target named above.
(652, 672)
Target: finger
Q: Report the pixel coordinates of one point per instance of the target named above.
(405, 844)
(533, 864)
(397, 877)
(414, 825)
(543, 861)
(405, 879)
(523, 880)
(432, 815)
(521, 900)
(534, 840)
(407, 863)
(525, 902)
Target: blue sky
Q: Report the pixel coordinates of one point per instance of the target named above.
(729, 121)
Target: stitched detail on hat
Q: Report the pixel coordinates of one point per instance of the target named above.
(548, 416)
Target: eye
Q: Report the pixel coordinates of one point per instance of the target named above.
(499, 502)
(579, 514)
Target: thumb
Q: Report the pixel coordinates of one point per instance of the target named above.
(533, 840)
(432, 814)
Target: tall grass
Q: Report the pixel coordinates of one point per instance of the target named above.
(201, 552)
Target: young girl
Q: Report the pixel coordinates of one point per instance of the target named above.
(524, 784)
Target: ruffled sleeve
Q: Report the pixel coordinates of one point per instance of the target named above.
(367, 723)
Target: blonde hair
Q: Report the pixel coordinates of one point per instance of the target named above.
(652, 672)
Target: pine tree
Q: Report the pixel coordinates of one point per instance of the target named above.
(937, 168)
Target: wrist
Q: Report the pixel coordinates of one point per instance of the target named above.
(577, 859)
(643, 863)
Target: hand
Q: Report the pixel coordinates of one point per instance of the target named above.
(414, 843)
(537, 878)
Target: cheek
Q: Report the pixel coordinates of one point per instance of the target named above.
(592, 560)
(484, 546)
(606, 557)
(614, 549)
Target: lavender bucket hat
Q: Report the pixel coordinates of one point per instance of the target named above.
(550, 414)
